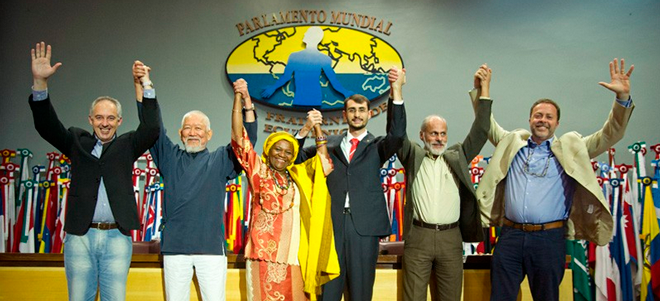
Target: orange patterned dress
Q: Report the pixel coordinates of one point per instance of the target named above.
(272, 267)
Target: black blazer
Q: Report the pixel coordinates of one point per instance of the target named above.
(115, 165)
(361, 178)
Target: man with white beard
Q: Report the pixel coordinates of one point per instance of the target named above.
(193, 207)
(441, 211)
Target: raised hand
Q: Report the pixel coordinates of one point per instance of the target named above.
(397, 78)
(314, 117)
(482, 80)
(620, 79)
(140, 72)
(482, 76)
(41, 68)
(241, 87)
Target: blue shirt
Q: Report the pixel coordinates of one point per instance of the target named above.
(103, 212)
(195, 188)
(538, 190)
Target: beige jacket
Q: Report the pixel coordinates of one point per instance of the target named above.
(589, 216)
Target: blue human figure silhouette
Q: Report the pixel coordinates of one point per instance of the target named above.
(305, 67)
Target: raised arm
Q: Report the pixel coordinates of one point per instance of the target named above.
(304, 153)
(242, 86)
(141, 79)
(397, 78)
(482, 79)
(478, 135)
(41, 68)
(151, 124)
(314, 119)
(237, 116)
(396, 116)
(46, 121)
(617, 121)
(240, 93)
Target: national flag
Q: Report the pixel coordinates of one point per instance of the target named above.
(48, 216)
(632, 231)
(137, 172)
(58, 237)
(650, 233)
(9, 200)
(26, 244)
(605, 276)
(582, 287)
(148, 229)
(619, 244)
(4, 198)
(160, 196)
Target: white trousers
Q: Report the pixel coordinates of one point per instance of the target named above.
(211, 273)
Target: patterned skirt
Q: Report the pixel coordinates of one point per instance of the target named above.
(273, 281)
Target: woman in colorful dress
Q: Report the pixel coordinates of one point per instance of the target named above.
(290, 248)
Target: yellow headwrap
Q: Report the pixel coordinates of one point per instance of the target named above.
(274, 138)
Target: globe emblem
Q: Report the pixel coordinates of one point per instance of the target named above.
(304, 67)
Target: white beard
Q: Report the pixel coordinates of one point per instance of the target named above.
(193, 149)
(434, 151)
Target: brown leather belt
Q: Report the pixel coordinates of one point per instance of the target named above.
(534, 227)
(437, 227)
(103, 226)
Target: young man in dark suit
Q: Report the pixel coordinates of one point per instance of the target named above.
(359, 213)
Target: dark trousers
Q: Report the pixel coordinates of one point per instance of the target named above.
(441, 250)
(358, 256)
(540, 255)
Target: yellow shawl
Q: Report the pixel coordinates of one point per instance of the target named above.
(317, 254)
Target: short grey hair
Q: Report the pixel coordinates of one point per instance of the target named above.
(205, 118)
(428, 119)
(108, 98)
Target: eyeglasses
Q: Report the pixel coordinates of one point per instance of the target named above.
(545, 169)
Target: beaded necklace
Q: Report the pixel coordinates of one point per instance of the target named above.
(277, 182)
(283, 190)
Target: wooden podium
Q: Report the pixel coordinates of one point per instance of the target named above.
(41, 277)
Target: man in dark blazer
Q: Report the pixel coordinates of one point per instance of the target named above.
(101, 208)
(359, 212)
(441, 209)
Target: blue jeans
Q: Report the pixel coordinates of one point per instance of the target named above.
(100, 258)
(540, 255)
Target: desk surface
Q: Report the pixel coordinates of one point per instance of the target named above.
(233, 261)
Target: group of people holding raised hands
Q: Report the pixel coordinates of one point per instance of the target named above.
(318, 212)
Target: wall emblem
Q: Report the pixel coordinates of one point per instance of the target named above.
(303, 67)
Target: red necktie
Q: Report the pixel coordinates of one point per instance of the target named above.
(354, 143)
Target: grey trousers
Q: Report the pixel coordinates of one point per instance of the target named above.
(427, 249)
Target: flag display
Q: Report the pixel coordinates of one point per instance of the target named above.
(34, 199)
